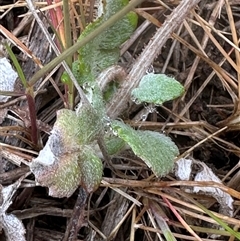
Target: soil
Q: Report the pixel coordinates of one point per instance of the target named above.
(214, 108)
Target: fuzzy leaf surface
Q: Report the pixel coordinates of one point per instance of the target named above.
(156, 150)
(89, 121)
(114, 144)
(62, 177)
(91, 169)
(59, 164)
(68, 171)
(103, 51)
(157, 89)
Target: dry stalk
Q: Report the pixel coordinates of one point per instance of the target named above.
(120, 100)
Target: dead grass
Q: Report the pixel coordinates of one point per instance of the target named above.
(131, 204)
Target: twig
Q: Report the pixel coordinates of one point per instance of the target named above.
(120, 100)
(56, 50)
(78, 214)
(80, 43)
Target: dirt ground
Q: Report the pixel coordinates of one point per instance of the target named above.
(131, 203)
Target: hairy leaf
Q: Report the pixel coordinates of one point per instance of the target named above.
(156, 150)
(95, 97)
(62, 177)
(91, 169)
(89, 121)
(77, 128)
(67, 137)
(103, 51)
(59, 165)
(114, 144)
(68, 171)
(157, 89)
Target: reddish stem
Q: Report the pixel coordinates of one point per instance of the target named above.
(59, 16)
(54, 19)
(52, 14)
(33, 119)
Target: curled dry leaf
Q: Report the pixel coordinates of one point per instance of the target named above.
(12, 226)
(8, 78)
(183, 171)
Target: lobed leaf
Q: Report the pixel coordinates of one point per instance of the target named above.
(64, 162)
(156, 150)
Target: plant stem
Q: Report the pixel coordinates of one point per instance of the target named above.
(120, 102)
(17, 66)
(68, 44)
(29, 94)
(32, 114)
(78, 214)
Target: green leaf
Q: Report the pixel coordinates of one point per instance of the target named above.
(77, 128)
(91, 169)
(65, 129)
(103, 51)
(114, 144)
(156, 150)
(89, 123)
(157, 89)
(65, 78)
(95, 97)
(65, 161)
(75, 70)
(17, 66)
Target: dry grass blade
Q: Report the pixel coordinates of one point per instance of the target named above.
(195, 41)
(122, 96)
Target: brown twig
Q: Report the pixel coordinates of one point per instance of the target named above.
(120, 100)
(77, 217)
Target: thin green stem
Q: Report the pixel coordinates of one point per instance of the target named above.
(17, 66)
(29, 94)
(68, 44)
(214, 217)
(78, 45)
(67, 30)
